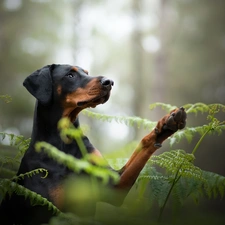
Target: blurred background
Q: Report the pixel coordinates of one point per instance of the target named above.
(172, 51)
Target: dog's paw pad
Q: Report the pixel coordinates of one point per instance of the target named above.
(176, 120)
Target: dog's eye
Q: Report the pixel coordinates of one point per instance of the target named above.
(70, 75)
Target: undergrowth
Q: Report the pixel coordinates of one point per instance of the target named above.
(170, 176)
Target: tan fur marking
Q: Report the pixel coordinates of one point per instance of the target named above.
(92, 90)
(57, 196)
(75, 68)
(59, 90)
(83, 94)
(137, 161)
(86, 72)
(97, 153)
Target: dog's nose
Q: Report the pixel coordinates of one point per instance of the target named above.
(106, 82)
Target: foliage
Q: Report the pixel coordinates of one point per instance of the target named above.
(184, 177)
(178, 178)
(18, 141)
(129, 121)
(8, 164)
(78, 165)
(214, 126)
(8, 186)
(6, 98)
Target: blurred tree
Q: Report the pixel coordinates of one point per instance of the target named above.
(139, 80)
(159, 76)
(29, 37)
(197, 51)
(196, 64)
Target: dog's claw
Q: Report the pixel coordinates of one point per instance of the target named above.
(157, 145)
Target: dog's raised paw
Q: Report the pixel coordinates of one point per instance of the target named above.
(176, 120)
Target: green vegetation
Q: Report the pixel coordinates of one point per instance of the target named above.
(166, 184)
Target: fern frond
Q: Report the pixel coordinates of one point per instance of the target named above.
(8, 186)
(129, 121)
(31, 173)
(165, 107)
(196, 108)
(187, 186)
(214, 185)
(188, 133)
(19, 141)
(157, 185)
(159, 188)
(68, 132)
(203, 108)
(178, 161)
(6, 160)
(154, 182)
(6, 98)
(7, 173)
(77, 165)
(179, 192)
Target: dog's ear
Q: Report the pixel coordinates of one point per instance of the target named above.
(39, 84)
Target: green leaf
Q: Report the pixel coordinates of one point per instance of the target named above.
(166, 107)
(77, 165)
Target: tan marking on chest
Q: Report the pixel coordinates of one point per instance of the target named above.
(57, 196)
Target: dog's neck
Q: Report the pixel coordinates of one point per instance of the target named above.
(45, 122)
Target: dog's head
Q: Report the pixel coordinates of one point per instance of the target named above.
(69, 86)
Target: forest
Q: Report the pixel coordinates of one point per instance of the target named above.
(160, 54)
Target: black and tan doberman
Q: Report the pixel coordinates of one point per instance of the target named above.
(63, 91)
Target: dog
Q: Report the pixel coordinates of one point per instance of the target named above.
(63, 91)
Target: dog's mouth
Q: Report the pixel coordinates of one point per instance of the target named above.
(89, 98)
(93, 102)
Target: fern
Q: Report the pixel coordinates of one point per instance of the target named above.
(6, 98)
(12, 163)
(214, 185)
(10, 187)
(7, 173)
(30, 174)
(179, 178)
(202, 108)
(21, 176)
(177, 160)
(156, 182)
(190, 108)
(188, 133)
(18, 141)
(214, 126)
(166, 107)
(77, 165)
(129, 121)
(183, 178)
(178, 164)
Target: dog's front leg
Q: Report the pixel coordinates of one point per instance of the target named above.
(166, 126)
